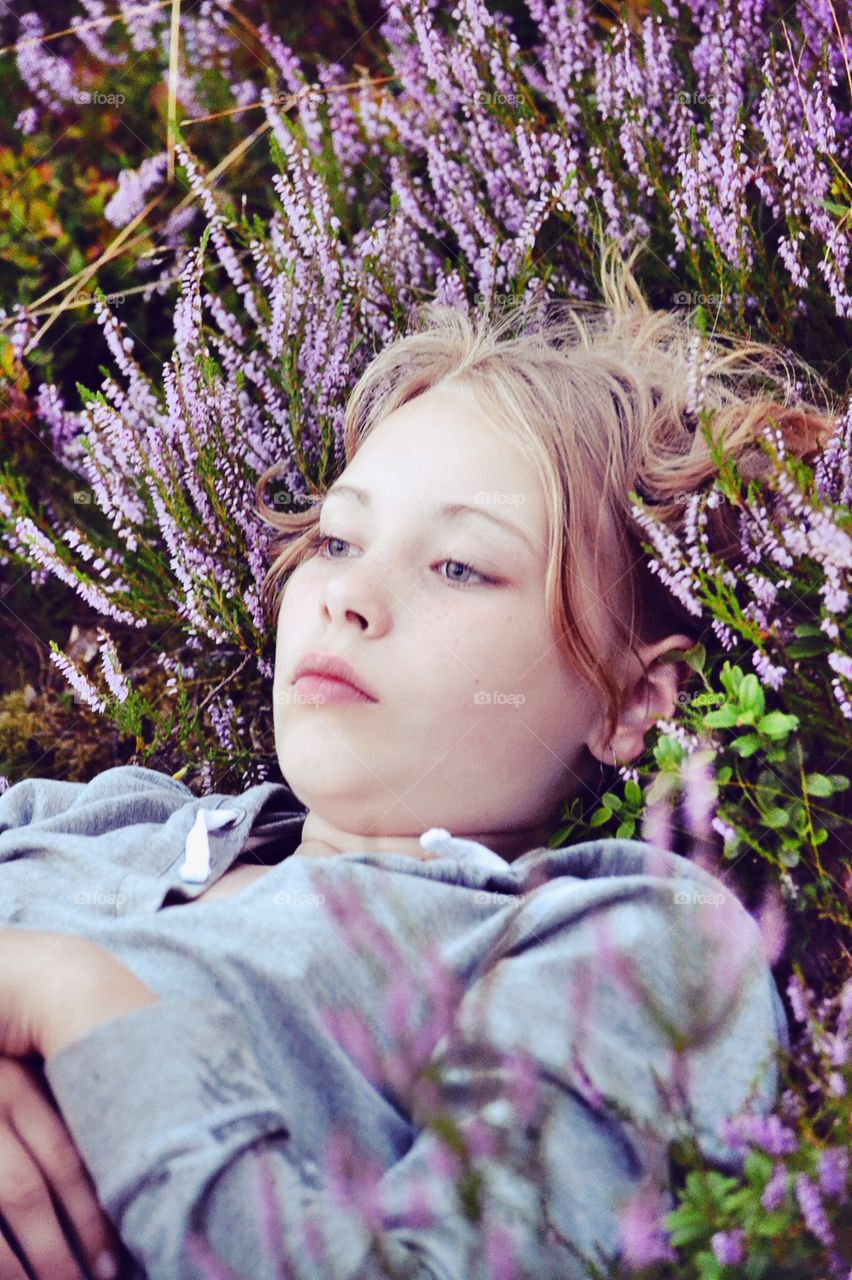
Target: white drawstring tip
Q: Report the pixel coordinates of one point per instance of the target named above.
(438, 840)
(196, 862)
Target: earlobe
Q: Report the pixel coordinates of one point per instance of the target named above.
(645, 701)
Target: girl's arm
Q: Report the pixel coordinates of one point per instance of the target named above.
(53, 989)
(37, 1158)
(184, 1137)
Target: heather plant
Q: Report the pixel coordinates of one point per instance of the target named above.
(784, 1212)
(766, 774)
(463, 167)
(495, 185)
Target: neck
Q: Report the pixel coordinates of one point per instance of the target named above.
(320, 839)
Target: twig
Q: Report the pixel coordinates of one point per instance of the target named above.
(222, 683)
(89, 271)
(105, 20)
(288, 100)
(171, 108)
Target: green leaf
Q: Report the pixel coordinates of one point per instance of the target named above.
(731, 677)
(611, 801)
(711, 1267)
(599, 817)
(746, 744)
(808, 629)
(806, 648)
(839, 781)
(86, 395)
(724, 718)
(632, 792)
(750, 695)
(817, 784)
(758, 1167)
(777, 724)
(837, 209)
(689, 1232)
(775, 817)
(626, 830)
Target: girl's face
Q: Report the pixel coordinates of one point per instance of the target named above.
(479, 722)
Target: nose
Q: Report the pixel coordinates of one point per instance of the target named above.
(356, 596)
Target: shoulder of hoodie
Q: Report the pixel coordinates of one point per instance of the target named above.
(548, 887)
(132, 792)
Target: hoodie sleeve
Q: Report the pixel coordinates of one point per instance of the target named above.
(184, 1137)
(36, 800)
(33, 799)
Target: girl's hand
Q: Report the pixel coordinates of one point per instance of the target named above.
(55, 988)
(37, 1157)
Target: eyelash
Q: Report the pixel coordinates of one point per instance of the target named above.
(320, 540)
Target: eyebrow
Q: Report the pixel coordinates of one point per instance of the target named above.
(445, 511)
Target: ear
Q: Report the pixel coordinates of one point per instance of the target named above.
(645, 700)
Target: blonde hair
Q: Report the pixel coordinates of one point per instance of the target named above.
(601, 400)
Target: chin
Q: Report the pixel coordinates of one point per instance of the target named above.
(321, 781)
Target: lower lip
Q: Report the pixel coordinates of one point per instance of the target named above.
(327, 689)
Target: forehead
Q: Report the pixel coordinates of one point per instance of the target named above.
(445, 447)
(447, 434)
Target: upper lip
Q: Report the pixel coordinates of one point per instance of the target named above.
(327, 664)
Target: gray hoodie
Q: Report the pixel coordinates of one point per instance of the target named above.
(251, 1080)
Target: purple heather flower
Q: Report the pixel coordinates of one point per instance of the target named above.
(48, 77)
(798, 997)
(642, 1236)
(79, 682)
(133, 188)
(765, 1131)
(111, 667)
(729, 1246)
(726, 831)
(499, 1253)
(772, 922)
(27, 120)
(813, 1211)
(834, 1171)
(141, 21)
(92, 36)
(700, 791)
(775, 1191)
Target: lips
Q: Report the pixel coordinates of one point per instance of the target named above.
(332, 667)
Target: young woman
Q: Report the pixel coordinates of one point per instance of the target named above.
(468, 635)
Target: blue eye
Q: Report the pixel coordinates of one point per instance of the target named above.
(322, 543)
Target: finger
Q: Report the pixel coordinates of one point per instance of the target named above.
(28, 1210)
(45, 1135)
(10, 1267)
